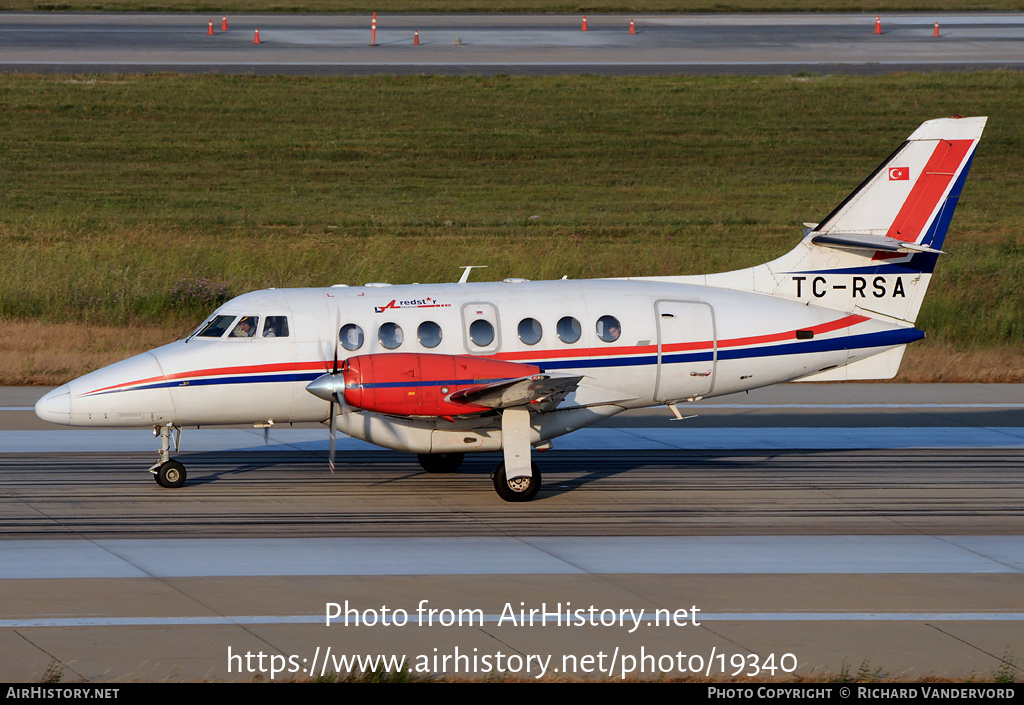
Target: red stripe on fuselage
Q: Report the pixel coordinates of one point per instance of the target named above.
(213, 371)
(521, 356)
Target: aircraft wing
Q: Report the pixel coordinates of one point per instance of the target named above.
(535, 389)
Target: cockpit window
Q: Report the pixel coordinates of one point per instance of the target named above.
(246, 327)
(276, 327)
(216, 327)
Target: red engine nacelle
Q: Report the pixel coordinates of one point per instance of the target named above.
(419, 384)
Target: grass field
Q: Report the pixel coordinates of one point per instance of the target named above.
(138, 202)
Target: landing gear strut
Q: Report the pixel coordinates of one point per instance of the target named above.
(440, 462)
(168, 473)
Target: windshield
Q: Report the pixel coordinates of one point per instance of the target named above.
(216, 327)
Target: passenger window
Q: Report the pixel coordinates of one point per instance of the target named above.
(481, 332)
(608, 329)
(351, 336)
(216, 327)
(276, 327)
(246, 327)
(390, 335)
(530, 331)
(429, 334)
(568, 330)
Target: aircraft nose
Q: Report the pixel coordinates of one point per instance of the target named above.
(55, 406)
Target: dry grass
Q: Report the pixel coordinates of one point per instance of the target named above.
(33, 353)
(946, 363)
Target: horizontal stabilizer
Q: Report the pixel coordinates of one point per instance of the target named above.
(872, 243)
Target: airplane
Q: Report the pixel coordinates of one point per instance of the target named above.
(441, 370)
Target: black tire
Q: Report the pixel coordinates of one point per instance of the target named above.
(171, 474)
(440, 462)
(521, 489)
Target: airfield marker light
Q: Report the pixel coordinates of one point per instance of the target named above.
(416, 38)
(936, 33)
(878, 24)
(256, 40)
(584, 28)
(209, 32)
(632, 27)
(224, 23)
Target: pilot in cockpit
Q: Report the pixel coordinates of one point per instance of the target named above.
(245, 328)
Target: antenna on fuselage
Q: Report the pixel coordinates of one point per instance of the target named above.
(467, 269)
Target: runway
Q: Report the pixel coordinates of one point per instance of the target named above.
(878, 527)
(513, 44)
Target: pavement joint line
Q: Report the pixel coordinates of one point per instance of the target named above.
(706, 618)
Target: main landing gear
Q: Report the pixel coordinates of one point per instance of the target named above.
(518, 489)
(168, 473)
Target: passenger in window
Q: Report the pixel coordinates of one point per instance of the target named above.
(608, 329)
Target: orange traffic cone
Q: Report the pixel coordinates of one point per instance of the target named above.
(373, 31)
(878, 24)
(584, 28)
(209, 32)
(415, 39)
(257, 39)
(224, 23)
(632, 27)
(936, 32)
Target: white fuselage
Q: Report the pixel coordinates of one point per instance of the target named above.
(677, 342)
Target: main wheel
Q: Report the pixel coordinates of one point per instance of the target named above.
(171, 474)
(440, 462)
(520, 489)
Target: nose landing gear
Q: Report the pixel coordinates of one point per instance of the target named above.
(168, 473)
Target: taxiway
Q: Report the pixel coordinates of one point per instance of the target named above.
(774, 43)
(904, 555)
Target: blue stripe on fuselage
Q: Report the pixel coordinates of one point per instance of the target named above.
(880, 339)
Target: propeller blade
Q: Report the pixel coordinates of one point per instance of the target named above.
(330, 455)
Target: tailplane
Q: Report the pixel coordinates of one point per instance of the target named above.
(875, 252)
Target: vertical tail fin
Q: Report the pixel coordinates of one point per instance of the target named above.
(876, 251)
